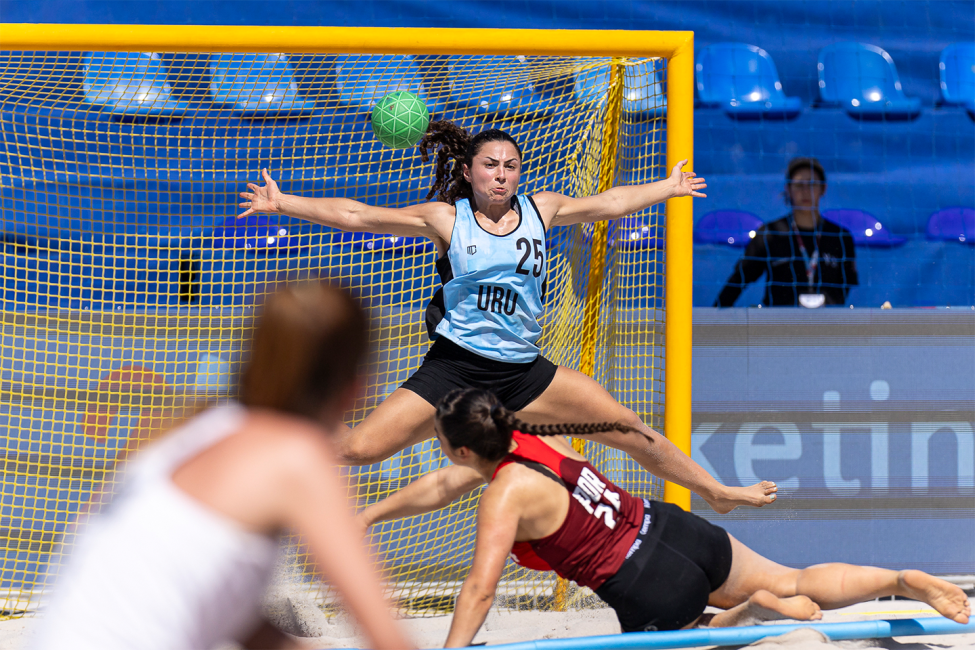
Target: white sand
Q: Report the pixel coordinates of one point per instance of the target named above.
(507, 627)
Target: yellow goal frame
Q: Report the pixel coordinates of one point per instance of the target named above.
(677, 47)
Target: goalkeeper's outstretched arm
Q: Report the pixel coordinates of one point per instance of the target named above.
(431, 220)
(561, 210)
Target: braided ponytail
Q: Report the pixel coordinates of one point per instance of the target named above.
(476, 419)
(575, 430)
(455, 147)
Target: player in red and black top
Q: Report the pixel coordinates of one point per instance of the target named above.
(599, 515)
(655, 564)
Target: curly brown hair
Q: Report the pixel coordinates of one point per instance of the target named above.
(475, 418)
(455, 147)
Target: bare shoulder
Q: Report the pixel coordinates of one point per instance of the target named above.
(438, 212)
(255, 475)
(438, 209)
(518, 481)
(548, 204)
(505, 491)
(438, 219)
(290, 443)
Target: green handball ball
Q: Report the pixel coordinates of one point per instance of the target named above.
(400, 119)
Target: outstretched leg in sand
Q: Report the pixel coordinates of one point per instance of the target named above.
(831, 586)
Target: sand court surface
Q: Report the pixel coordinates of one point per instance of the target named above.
(513, 626)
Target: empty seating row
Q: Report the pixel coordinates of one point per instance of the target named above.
(134, 83)
(739, 77)
(263, 85)
(859, 77)
(737, 227)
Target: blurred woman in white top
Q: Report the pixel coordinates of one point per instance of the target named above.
(183, 554)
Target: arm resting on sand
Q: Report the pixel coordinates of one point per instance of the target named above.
(498, 516)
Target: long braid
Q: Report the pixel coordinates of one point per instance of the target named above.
(475, 418)
(451, 143)
(562, 429)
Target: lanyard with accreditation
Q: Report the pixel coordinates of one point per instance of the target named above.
(812, 262)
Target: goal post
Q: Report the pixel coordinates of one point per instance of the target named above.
(605, 286)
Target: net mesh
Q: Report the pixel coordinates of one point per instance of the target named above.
(129, 287)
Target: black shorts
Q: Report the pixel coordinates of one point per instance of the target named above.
(448, 366)
(666, 583)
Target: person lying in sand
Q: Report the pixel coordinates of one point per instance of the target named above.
(656, 565)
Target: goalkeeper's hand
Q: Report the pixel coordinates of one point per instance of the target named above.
(686, 183)
(260, 199)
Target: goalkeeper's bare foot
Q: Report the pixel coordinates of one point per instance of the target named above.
(758, 495)
(949, 600)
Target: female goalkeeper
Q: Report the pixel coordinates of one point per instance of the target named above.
(655, 564)
(492, 261)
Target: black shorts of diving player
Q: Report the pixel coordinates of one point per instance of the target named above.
(666, 582)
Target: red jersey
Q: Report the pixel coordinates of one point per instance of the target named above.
(599, 529)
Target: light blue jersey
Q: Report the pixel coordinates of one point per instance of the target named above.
(493, 295)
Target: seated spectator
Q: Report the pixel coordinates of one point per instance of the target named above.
(808, 260)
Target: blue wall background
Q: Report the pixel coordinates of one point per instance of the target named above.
(901, 172)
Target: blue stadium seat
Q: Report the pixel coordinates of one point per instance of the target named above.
(729, 227)
(635, 234)
(496, 85)
(369, 242)
(863, 80)
(742, 79)
(256, 85)
(865, 228)
(957, 70)
(254, 233)
(643, 90)
(952, 224)
(364, 79)
(131, 84)
(630, 234)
